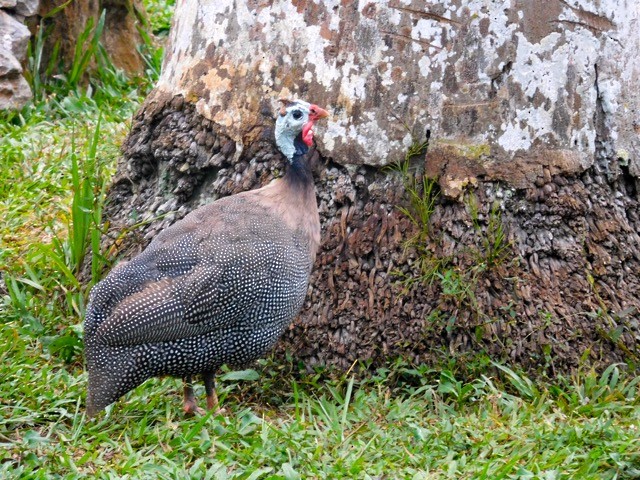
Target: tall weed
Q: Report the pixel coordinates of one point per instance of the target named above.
(49, 285)
(85, 50)
(89, 81)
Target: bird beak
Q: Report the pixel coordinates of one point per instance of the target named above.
(316, 113)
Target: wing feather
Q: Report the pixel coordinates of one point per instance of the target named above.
(207, 298)
(198, 276)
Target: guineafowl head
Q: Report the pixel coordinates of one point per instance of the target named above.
(294, 126)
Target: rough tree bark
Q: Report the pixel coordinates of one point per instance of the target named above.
(532, 115)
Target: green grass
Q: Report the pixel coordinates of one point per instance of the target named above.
(402, 422)
(281, 422)
(159, 14)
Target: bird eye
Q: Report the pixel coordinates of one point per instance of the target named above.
(297, 114)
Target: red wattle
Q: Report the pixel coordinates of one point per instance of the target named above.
(307, 133)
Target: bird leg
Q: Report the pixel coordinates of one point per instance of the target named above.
(210, 389)
(190, 405)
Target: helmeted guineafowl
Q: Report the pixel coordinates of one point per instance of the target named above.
(217, 287)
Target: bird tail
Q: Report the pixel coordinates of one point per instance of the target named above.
(111, 375)
(96, 401)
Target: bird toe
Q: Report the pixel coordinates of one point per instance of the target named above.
(191, 408)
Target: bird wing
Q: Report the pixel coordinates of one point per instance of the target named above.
(167, 256)
(215, 294)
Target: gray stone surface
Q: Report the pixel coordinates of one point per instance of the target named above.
(14, 92)
(14, 36)
(27, 7)
(14, 39)
(9, 65)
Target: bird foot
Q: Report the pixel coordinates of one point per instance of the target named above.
(191, 408)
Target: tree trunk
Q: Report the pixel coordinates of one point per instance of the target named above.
(530, 251)
(64, 23)
(120, 36)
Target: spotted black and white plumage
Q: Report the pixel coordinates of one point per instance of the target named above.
(218, 287)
